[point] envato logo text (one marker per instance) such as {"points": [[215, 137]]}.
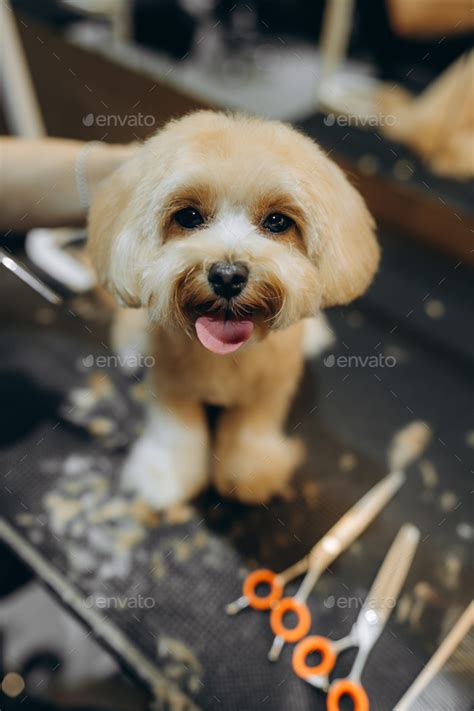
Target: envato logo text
{"points": [[352, 120], [353, 361], [112, 120], [352, 601], [132, 361], [120, 602]]}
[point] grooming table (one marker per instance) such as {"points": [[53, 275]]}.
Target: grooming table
{"points": [[165, 580]]}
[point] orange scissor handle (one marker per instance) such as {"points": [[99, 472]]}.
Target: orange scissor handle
{"points": [[346, 687], [306, 647], [259, 577], [290, 634]]}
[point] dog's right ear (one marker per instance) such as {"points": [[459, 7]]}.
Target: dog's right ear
{"points": [[114, 233], [123, 232]]}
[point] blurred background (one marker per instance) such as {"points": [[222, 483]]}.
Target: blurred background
{"points": [[386, 88]]}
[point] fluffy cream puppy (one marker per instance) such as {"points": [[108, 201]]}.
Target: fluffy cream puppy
{"points": [[231, 232]]}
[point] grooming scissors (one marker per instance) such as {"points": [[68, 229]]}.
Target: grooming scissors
{"points": [[326, 550], [366, 630]]}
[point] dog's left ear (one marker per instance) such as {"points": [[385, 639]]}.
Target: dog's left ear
{"points": [[345, 248]]}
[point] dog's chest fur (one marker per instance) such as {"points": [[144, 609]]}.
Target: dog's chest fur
{"points": [[184, 367]]}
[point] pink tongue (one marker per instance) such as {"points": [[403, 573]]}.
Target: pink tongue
{"points": [[220, 336]]}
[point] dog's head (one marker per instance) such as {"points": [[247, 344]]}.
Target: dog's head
{"points": [[229, 226]]}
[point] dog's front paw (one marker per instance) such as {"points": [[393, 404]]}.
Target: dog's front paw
{"points": [[258, 467], [158, 475]]}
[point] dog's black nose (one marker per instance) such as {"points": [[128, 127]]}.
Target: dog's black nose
{"points": [[228, 279]]}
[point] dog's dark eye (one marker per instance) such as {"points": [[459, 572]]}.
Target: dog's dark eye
{"points": [[276, 222], [189, 218]]}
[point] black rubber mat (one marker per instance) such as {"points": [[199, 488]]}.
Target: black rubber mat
{"points": [[192, 563]]}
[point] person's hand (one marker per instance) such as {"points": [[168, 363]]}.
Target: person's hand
{"points": [[39, 180]]}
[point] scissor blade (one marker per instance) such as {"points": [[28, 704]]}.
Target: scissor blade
{"points": [[383, 594], [356, 520], [448, 647], [347, 530], [28, 278]]}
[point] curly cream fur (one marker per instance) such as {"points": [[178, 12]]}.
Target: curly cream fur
{"points": [[235, 170]]}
